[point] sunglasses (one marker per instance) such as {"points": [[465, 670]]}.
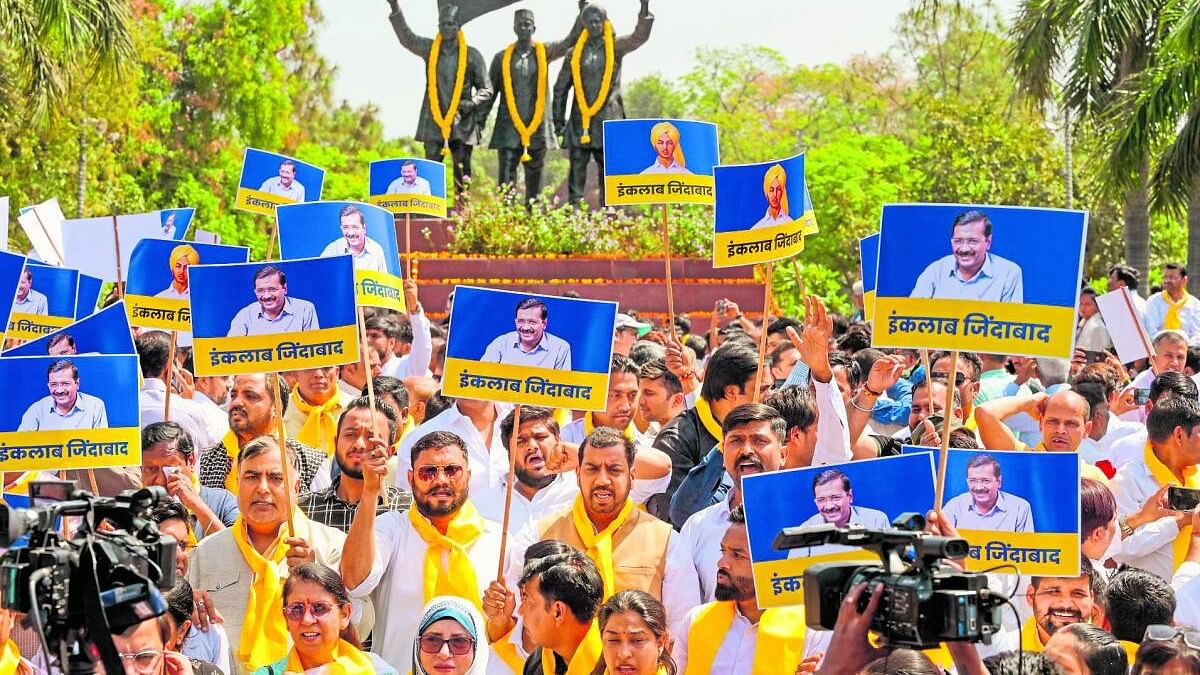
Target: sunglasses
{"points": [[1160, 632], [959, 378], [296, 610], [459, 646], [430, 471]]}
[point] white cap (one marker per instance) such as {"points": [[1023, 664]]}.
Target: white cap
{"points": [[626, 321]]}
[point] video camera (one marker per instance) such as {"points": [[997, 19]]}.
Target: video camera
{"points": [[924, 603], [103, 579]]}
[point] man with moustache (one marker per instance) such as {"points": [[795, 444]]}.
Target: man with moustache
{"points": [[273, 311], [660, 397], [971, 272], [530, 344], [366, 253], [984, 506], [1057, 602], [1064, 419], [316, 403], [834, 497], [619, 407]]}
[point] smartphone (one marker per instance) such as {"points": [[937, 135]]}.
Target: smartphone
{"points": [[1182, 499], [1141, 396], [1090, 356]]}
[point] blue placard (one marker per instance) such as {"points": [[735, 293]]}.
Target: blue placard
{"points": [[105, 332], [270, 179], [868, 255], [659, 161], [176, 222], [159, 289], [763, 212], [88, 295], [11, 268], [45, 302], [408, 185]]}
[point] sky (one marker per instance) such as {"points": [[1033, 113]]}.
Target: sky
{"points": [[372, 67]]}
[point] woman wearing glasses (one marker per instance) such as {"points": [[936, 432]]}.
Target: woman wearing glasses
{"points": [[448, 639]]}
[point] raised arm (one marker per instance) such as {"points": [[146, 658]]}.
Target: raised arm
{"points": [[641, 32], [408, 39], [559, 48], [991, 415]]}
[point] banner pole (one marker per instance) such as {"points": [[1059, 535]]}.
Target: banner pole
{"points": [[947, 420], [46, 232], [799, 281], [287, 467], [271, 241], [170, 376], [670, 286], [762, 337], [925, 363], [366, 363], [408, 244], [508, 490], [120, 287]]}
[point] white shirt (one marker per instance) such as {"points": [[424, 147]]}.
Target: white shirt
{"points": [[488, 466], [1187, 594], [370, 258], [1189, 315], [550, 500], [859, 515], [206, 431], [170, 293], [1093, 334], [657, 167], [573, 432], [833, 431], [215, 417], [1151, 545], [397, 583], [34, 303], [416, 361], [274, 186], [767, 221], [1139, 306], [88, 413], [702, 534], [1122, 442], [211, 646], [296, 316], [736, 654], [419, 186]]}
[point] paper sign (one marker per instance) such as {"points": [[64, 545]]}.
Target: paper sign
{"points": [[269, 179], [763, 212], [868, 256], [659, 161], [45, 301], [105, 332], [157, 294], [206, 237], [88, 296], [1129, 336], [43, 224], [91, 246], [408, 185]]}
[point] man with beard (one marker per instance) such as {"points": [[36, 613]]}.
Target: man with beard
{"points": [[984, 506], [252, 414], [315, 405], [1174, 308], [618, 411], [440, 547], [633, 549], [660, 398], [723, 636], [358, 430], [1060, 601], [834, 498]]}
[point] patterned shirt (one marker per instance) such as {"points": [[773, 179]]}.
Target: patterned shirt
{"points": [[214, 465], [327, 508]]}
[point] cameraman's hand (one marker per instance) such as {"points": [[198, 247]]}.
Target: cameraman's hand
{"points": [[850, 648], [205, 610]]}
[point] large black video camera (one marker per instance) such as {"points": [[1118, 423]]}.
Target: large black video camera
{"points": [[924, 603], [80, 591]]}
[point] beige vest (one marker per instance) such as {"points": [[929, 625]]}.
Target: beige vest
{"points": [[639, 549]]}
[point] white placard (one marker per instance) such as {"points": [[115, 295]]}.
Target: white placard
{"points": [[43, 224], [206, 237], [90, 246], [1124, 326]]}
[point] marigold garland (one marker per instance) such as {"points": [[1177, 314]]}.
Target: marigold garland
{"points": [[445, 123], [588, 110], [525, 131]]}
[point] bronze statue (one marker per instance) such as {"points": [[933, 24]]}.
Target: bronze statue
{"points": [[457, 95], [520, 74], [593, 71]]}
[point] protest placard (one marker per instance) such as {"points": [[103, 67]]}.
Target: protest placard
{"points": [[104, 332], [45, 301], [273, 316], [763, 212], [364, 232], [1124, 325], [87, 298], [12, 268], [42, 224], [870, 493], [996, 279], [101, 247], [74, 412], [408, 185], [176, 222], [868, 256], [270, 179], [158, 291], [558, 355], [659, 161]]}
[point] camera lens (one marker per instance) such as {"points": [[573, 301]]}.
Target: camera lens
{"points": [[955, 548]]}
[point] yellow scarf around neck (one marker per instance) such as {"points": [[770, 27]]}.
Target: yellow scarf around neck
{"points": [[704, 411], [598, 545], [587, 655], [778, 648], [230, 443], [1163, 475], [1173, 320], [588, 110], [589, 425], [525, 131], [320, 422], [10, 658], [445, 121], [458, 579], [264, 639], [347, 660], [1031, 639], [507, 651]]}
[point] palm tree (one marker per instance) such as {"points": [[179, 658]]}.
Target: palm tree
{"points": [[1097, 46], [50, 45]]}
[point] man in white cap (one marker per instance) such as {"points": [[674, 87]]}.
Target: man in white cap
{"points": [[626, 332]]}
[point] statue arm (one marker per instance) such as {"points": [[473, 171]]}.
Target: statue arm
{"points": [[641, 32], [559, 49], [408, 39], [561, 87], [484, 95]]}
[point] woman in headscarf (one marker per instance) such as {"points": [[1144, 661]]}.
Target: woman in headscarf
{"points": [[636, 641], [450, 639]]}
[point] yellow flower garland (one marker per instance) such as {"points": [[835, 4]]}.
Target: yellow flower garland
{"points": [[525, 131], [446, 122], [588, 111]]}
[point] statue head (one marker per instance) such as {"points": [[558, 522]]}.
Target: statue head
{"points": [[448, 23], [523, 24], [594, 16]]}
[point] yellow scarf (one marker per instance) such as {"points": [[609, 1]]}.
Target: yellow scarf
{"points": [[10, 658], [445, 123], [589, 426], [320, 423], [1163, 475], [588, 110], [587, 655], [507, 652], [265, 637], [704, 411], [1031, 640], [598, 545], [409, 425], [458, 579], [1172, 320], [230, 443], [778, 649], [347, 660], [525, 131]]}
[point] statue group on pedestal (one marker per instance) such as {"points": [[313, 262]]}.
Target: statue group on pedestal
{"points": [[461, 91]]}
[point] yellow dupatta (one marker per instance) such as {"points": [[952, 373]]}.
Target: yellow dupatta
{"points": [[507, 652], [589, 426], [347, 660], [598, 545], [264, 639], [1163, 475], [230, 443], [587, 655], [704, 411], [458, 579], [1031, 640], [10, 658], [779, 646], [1173, 320], [320, 422]]}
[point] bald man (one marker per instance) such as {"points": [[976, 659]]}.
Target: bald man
{"points": [[1064, 418], [181, 257]]}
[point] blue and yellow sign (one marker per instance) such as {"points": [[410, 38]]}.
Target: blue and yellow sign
{"points": [[158, 292], [45, 301], [278, 315], [70, 412], [870, 493], [105, 332], [11, 268], [176, 222], [868, 261], [659, 162], [408, 185], [365, 233], [531, 349], [763, 212], [997, 279], [269, 179]]}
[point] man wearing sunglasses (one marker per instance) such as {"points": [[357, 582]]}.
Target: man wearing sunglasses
{"points": [[966, 380], [441, 544]]}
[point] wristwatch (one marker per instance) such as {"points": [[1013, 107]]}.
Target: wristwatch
{"points": [[1126, 530]]}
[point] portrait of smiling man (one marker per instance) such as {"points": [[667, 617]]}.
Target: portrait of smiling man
{"points": [[985, 506], [530, 344], [273, 311], [971, 271]]}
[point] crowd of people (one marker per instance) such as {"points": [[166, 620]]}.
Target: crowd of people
{"points": [[618, 543]]}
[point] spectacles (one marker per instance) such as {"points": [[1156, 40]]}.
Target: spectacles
{"points": [[297, 610], [1160, 632], [430, 471], [966, 242], [459, 645], [143, 661]]}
